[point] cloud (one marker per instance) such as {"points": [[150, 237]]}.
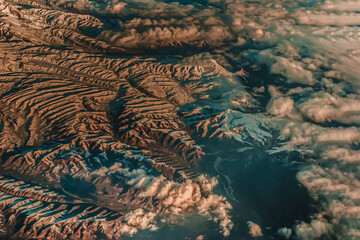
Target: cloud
{"points": [[138, 219], [254, 229], [174, 199], [315, 229], [312, 48], [325, 107]]}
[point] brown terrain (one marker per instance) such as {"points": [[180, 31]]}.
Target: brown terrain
{"points": [[86, 131]]}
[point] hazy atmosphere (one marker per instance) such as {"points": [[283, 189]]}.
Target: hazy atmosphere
{"points": [[196, 120]]}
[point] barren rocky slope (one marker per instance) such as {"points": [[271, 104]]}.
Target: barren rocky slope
{"points": [[205, 119], [95, 128]]}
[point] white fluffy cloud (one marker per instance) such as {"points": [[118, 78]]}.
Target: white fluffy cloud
{"points": [[174, 199], [314, 47]]}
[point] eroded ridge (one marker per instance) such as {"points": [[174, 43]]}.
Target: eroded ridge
{"points": [[85, 136]]}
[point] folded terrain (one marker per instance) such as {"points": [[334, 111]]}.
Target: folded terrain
{"points": [[118, 119]]}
